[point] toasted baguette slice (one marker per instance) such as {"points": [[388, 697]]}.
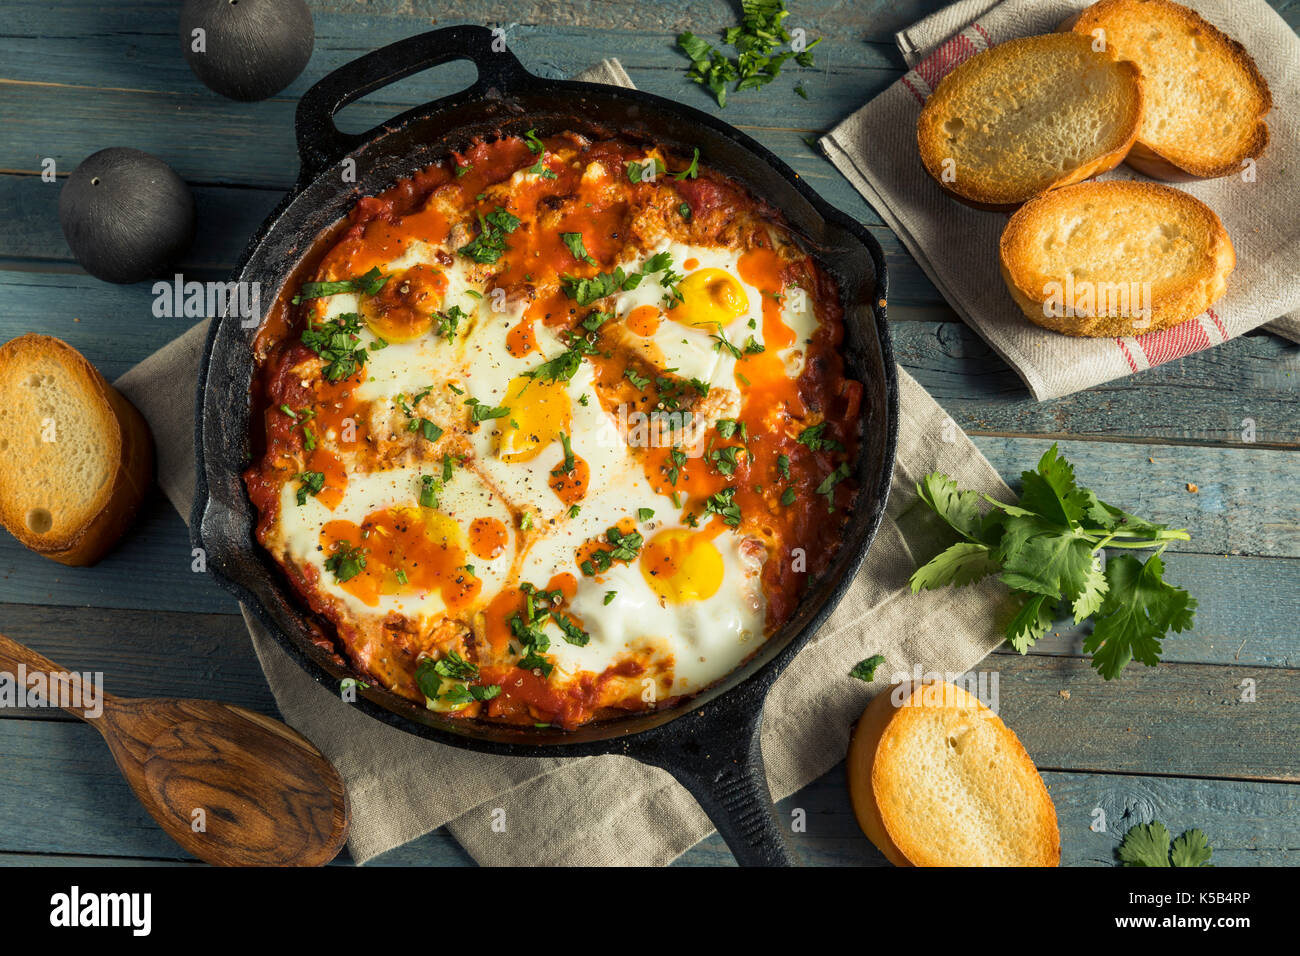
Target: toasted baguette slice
{"points": [[1027, 116], [75, 456], [1115, 258], [1205, 98], [938, 780]]}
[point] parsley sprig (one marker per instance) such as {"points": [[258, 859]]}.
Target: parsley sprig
{"points": [[490, 244], [1049, 549], [337, 342]]}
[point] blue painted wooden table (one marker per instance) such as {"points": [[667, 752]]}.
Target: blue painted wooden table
{"points": [[1176, 742]]}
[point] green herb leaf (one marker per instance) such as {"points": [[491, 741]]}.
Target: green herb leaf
{"points": [[866, 670], [368, 284]]}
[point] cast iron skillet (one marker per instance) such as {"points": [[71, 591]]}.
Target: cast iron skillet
{"points": [[710, 742]]}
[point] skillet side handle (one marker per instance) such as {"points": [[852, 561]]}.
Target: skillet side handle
{"points": [[321, 143], [721, 764]]}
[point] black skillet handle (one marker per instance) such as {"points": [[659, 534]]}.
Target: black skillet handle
{"points": [[321, 143], [715, 754]]}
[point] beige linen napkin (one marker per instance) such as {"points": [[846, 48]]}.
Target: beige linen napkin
{"points": [[612, 810], [875, 148]]}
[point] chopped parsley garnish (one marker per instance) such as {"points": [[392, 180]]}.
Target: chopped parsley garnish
{"points": [[691, 171], [684, 210], [430, 674], [757, 61], [724, 459], [752, 346], [587, 291], [827, 487], [637, 169], [572, 633], [574, 241], [644, 514], [727, 426], [678, 458], [609, 596], [312, 484], [368, 284], [540, 168], [722, 342], [640, 381], [335, 341], [566, 467], [625, 548], [346, 562], [595, 320], [574, 511], [812, 438], [723, 505], [534, 144], [430, 488], [429, 431], [491, 241], [788, 497], [564, 366], [449, 321], [783, 466], [479, 412]]}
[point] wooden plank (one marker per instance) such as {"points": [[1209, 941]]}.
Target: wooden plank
{"points": [[155, 64], [148, 570], [87, 810], [162, 654], [1207, 398], [1174, 719], [1244, 501], [1247, 824], [73, 775], [1212, 397], [1246, 619]]}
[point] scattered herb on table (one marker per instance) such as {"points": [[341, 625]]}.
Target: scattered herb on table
{"points": [[1049, 549], [1148, 844], [866, 670], [758, 58]]}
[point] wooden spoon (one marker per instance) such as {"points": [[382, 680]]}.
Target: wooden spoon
{"points": [[232, 787]]}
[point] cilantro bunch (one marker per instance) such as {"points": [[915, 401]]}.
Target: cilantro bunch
{"points": [[1049, 550]]}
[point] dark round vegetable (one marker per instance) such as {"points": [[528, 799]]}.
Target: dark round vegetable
{"points": [[251, 49], [126, 215]]}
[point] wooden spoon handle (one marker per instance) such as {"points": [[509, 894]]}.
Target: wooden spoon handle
{"points": [[59, 686]]}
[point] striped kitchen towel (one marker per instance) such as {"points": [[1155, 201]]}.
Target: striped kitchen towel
{"points": [[957, 246]]}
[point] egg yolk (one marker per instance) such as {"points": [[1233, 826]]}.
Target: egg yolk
{"points": [[403, 309], [682, 566], [539, 412], [710, 297], [409, 550]]}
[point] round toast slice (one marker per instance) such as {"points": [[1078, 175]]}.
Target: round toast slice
{"points": [[937, 779], [1028, 116], [76, 458], [1115, 258], [1205, 97]]}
